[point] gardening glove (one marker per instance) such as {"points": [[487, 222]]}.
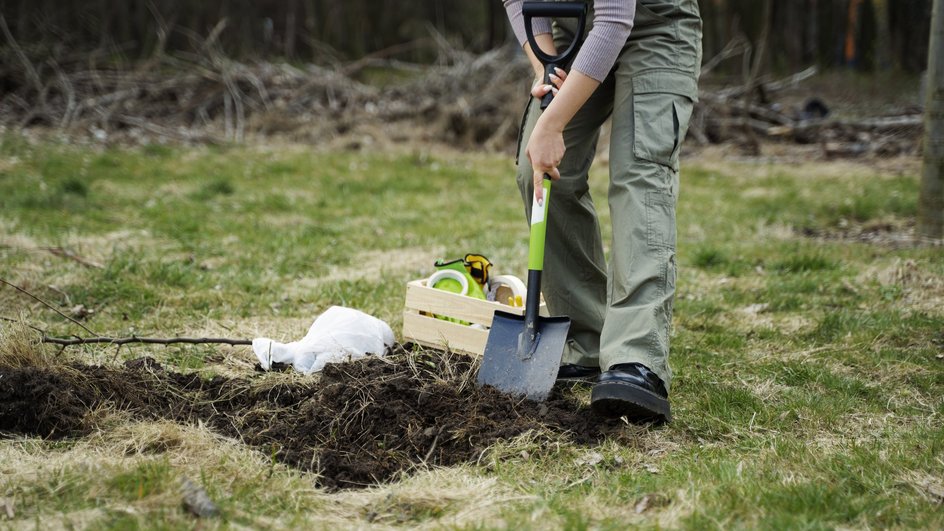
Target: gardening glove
{"points": [[478, 267]]}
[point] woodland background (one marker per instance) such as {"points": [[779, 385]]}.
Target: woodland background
{"points": [[841, 74], [865, 34]]}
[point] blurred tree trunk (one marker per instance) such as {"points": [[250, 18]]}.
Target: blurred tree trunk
{"points": [[908, 20], [812, 36], [492, 8], [931, 202], [752, 144], [883, 40], [850, 54], [291, 21]]}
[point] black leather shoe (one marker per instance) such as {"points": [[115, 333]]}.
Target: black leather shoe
{"points": [[575, 374], [633, 391]]}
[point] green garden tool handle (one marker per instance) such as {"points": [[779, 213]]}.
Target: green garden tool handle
{"points": [[539, 227], [536, 259]]}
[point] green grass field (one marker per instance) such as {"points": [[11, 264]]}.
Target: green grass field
{"points": [[808, 344]]}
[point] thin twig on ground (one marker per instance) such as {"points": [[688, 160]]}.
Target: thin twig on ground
{"points": [[66, 253], [48, 305], [149, 340], [119, 341], [24, 323]]}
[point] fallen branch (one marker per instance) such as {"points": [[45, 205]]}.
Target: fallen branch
{"points": [[183, 135], [65, 253], [353, 68], [64, 341], [737, 46], [890, 122], [768, 87], [876, 124], [71, 341], [791, 81], [61, 252]]}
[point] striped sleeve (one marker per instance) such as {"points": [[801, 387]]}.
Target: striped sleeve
{"points": [[513, 9], [612, 24]]}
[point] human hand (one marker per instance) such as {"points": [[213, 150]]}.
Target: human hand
{"points": [[557, 81], [545, 151], [546, 147]]}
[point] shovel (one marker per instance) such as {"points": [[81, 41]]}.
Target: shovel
{"points": [[523, 353]]}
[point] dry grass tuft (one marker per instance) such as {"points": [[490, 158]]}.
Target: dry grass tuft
{"points": [[89, 470], [437, 498], [921, 289], [927, 486], [129, 438], [446, 368], [21, 347]]}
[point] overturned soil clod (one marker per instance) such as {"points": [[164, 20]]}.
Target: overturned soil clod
{"points": [[358, 424]]}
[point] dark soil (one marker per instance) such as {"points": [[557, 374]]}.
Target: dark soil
{"points": [[359, 424]]}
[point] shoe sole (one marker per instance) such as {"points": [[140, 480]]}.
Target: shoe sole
{"points": [[619, 399]]}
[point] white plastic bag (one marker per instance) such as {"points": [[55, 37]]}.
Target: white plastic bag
{"points": [[339, 334]]}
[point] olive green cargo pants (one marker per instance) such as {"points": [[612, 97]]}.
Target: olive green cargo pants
{"points": [[622, 314]]}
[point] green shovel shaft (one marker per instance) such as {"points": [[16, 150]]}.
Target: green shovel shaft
{"points": [[528, 340], [539, 228]]}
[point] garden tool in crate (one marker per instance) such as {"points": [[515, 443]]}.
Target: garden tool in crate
{"points": [[466, 276]]}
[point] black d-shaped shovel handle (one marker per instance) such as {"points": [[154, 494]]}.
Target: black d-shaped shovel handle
{"points": [[576, 10]]}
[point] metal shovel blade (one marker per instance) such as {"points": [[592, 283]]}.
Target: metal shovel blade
{"points": [[514, 363]]}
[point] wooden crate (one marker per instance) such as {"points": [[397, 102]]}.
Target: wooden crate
{"points": [[419, 325]]}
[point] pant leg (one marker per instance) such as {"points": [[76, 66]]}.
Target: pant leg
{"points": [[574, 278], [654, 92]]}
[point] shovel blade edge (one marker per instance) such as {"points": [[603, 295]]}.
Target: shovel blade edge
{"points": [[511, 371]]}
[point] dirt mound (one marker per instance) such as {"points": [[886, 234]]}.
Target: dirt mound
{"points": [[42, 402], [360, 424]]}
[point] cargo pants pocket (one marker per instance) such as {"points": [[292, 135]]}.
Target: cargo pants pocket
{"points": [[660, 220], [662, 107]]}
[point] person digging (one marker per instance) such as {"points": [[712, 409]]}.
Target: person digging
{"points": [[639, 65]]}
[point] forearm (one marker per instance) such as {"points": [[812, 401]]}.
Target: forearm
{"points": [[546, 43], [542, 34], [571, 97]]}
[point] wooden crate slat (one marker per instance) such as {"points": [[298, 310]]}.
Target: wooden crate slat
{"points": [[430, 331], [439, 302], [437, 333]]}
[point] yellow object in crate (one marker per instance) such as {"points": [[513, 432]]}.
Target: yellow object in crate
{"points": [[457, 276]]}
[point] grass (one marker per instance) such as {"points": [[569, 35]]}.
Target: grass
{"points": [[808, 390]]}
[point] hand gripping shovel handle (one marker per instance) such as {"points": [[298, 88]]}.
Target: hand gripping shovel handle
{"points": [[576, 10], [536, 259]]}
